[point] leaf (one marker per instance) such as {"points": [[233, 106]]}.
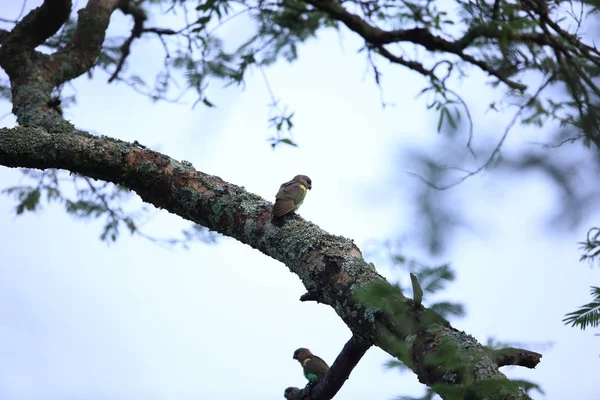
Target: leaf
{"points": [[528, 385], [588, 314], [288, 141], [451, 120], [433, 279], [417, 291], [29, 202], [440, 121], [397, 364], [447, 309]]}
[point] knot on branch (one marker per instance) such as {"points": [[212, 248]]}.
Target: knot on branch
{"points": [[514, 356], [310, 296]]}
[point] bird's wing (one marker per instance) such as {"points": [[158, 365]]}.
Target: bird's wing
{"points": [[291, 191], [316, 366], [282, 207], [290, 195]]}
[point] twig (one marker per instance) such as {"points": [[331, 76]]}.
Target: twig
{"points": [[496, 150], [139, 17]]}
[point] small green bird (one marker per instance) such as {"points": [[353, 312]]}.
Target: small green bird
{"points": [[314, 367], [290, 196]]}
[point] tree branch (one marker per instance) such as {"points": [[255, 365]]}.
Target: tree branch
{"points": [[421, 36], [493, 32], [514, 356], [415, 66], [80, 54], [34, 75], [41, 23], [139, 17], [337, 375], [3, 35], [330, 265], [33, 30]]}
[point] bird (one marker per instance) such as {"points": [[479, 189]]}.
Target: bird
{"points": [[290, 196], [313, 366]]}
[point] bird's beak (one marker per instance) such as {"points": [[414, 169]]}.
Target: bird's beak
{"points": [[309, 187]]}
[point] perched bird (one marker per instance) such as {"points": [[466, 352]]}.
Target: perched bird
{"points": [[290, 196], [314, 367]]}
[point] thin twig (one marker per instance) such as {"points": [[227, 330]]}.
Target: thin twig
{"points": [[498, 147]]}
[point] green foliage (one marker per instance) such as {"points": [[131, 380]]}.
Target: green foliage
{"points": [[528, 386], [384, 297], [29, 197], [491, 390], [591, 247], [429, 395], [203, 56], [417, 290], [514, 42], [425, 281], [588, 315], [281, 121], [431, 279], [89, 200]]}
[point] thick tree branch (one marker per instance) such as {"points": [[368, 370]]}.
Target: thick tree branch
{"points": [[33, 30], [331, 266], [337, 375], [34, 75], [514, 356]]}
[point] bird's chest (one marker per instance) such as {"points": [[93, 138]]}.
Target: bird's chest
{"points": [[300, 198]]}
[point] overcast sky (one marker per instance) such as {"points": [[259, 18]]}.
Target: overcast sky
{"points": [[135, 321]]}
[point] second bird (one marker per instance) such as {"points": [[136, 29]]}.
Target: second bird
{"points": [[314, 367], [291, 195]]}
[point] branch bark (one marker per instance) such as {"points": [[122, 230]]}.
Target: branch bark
{"points": [[330, 267], [3, 35], [34, 75], [80, 54], [32, 31]]}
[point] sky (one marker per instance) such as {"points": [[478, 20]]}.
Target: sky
{"points": [[80, 319]]}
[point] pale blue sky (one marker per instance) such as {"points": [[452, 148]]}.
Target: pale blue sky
{"points": [[133, 321]]}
